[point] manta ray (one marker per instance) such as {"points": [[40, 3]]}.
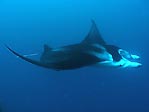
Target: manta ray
{"points": [[91, 51]]}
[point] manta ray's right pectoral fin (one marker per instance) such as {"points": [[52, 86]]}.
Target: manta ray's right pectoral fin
{"points": [[27, 59], [94, 36]]}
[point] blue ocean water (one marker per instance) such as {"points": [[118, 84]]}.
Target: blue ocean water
{"points": [[26, 25]]}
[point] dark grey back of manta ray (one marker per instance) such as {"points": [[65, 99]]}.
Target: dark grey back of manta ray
{"points": [[77, 55], [93, 37], [71, 56]]}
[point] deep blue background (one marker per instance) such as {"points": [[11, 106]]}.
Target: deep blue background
{"points": [[27, 24]]}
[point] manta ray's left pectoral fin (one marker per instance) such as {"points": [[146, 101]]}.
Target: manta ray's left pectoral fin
{"points": [[27, 59]]}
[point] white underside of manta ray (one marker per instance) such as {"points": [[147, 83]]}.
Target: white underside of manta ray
{"points": [[93, 50]]}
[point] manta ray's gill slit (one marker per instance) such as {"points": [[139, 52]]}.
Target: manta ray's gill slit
{"points": [[104, 56]]}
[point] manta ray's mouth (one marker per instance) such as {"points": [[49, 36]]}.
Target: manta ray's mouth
{"points": [[129, 60], [130, 63]]}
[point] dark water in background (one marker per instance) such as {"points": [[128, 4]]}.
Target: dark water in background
{"points": [[27, 24]]}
